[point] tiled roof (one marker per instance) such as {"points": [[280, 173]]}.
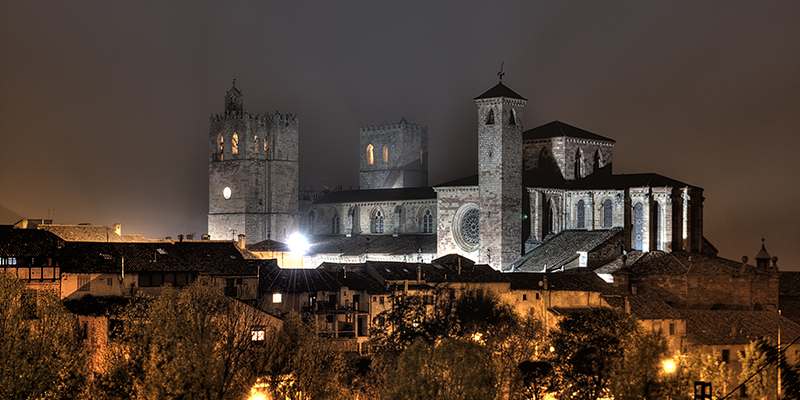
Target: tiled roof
{"points": [[90, 233], [730, 327], [298, 280], [559, 129], [268, 245], [212, 258], [651, 307], [572, 280], [380, 244], [500, 90], [562, 249], [377, 195], [678, 263], [624, 181], [28, 243]]}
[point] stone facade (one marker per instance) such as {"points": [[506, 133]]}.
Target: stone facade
{"points": [[393, 156], [449, 200], [253, 174]]}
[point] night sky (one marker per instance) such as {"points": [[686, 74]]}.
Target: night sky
{"points": [[104, 106]]}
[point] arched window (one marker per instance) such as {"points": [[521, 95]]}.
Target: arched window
{"points": [[335, 224], [255, 144], [657, 225], [377, 225], [266, 143], [370, 156], [608, 214], [578, 164], [581, 214], [220, 146], [490, 117], [512, 117], [235, 144], [385, 154], [427, 222], [638, 226], [598, 161]]}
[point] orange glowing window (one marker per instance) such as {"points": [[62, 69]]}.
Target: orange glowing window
{"points": [[255, 144], [370, 156], [235, 144], [385, 154]]}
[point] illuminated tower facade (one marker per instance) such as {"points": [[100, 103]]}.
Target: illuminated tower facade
{"points": [[500, 175], [253, 173]]}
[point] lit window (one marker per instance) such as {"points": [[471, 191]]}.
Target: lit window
{"points": [[277, 298], [258, 335], [83, 282], [370, 156], [385, 154], [220, 146], [235, 144], [255, 144]]}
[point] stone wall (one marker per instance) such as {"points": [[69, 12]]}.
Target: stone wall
{"points": [[406, 161]]}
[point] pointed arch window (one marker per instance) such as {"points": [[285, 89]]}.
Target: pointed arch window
{"points": [[266, 143], [657, 225], [427, 222], [581, 212], [235, 144], [377, 223], [385, 154], [490, 117], [220, 146], [598, 161], [638, 226], [255, 144], [512, 117], [335, 223], [608, 214], [370, 155], [578, 164]]}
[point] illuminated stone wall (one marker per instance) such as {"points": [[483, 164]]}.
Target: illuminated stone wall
{"points": [[406, 156]]}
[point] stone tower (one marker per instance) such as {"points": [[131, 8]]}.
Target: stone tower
{"points": [[500, 175], [253, 173], [393, 156]]}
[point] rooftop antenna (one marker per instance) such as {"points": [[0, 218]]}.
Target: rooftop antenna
{"points": [[501, 73]]}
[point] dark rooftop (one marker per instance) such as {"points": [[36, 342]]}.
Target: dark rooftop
{"points": [[559, 129], [729, 327], [500, 90], [382, 244], [572, 280], [658, 262], [373, 195], [562, 249]]}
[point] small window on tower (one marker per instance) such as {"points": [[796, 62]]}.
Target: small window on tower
{"points": [[266, 143], [512, 118], [235, 144], [220, 146], [385, 154], [255, 144], [490, 118], [370, 156]]}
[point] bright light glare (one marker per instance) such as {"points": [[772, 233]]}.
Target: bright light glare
{"points": [[669, 366], [298, 244]]}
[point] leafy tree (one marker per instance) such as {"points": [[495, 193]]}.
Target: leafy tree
{"points": [[763, 378], [639, 375], [709, 367], [301, 366], [41, 353], [452, 369], [538, 378], [589, 347], [190, 343]]}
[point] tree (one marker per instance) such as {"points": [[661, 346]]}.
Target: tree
{"points": [[589, 347], [452, 369], [41, 353], [762, 378], [190, 343], [709, 367], [639, 375]]}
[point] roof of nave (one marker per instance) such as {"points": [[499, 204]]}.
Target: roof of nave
{"points": [[90, 233], [500, 90], [577, 280], [644, 306], [382, 244], [721, 327], [658, 262], [377, 195], [624, 181], [560, 129], [212, 258], [28, 242], [562, 249]]}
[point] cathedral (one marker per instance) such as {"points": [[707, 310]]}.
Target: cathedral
{"points": [[543, 199]]}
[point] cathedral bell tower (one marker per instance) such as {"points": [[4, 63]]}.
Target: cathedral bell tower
{"points": [[253, 174], [500, 175]]}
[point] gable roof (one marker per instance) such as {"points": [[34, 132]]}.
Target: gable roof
{"points": [[657, 262], [573, 280], [562, 249], [730, 327], [28, 243], [90, 233], [500, 90], [560, 129]]}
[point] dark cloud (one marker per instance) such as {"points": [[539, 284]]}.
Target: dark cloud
{"points": [[104, 106]]}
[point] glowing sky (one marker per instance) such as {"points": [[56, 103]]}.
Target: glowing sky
{"points": [[104, 106]]}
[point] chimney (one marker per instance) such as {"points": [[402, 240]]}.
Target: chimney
{"points": [[205, 236], [241, 241], [118, 229]]}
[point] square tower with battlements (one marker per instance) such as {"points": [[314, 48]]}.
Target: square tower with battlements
{"points": [[393, 156]]}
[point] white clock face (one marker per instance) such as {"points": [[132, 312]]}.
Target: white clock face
{"points": [[226, 193]]}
